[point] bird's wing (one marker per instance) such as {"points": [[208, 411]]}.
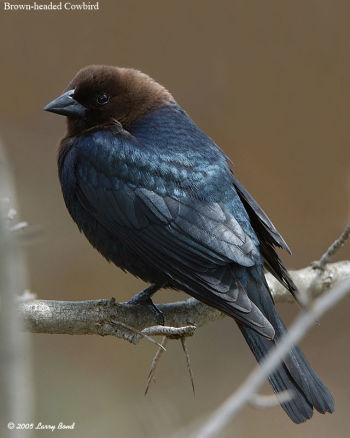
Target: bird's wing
{"points": [[260, 218], [193, 242], [268, 236]]}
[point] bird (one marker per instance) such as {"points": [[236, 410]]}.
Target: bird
{"points": [[158, 198]]}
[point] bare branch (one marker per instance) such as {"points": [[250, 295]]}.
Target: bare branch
{"points": [[97, 316], [229, 409]]}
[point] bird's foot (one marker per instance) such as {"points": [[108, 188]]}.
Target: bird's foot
{"points": [[143, 298]]}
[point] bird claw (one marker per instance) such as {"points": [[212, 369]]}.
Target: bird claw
{"points": [[143, 298], [158, 314]]}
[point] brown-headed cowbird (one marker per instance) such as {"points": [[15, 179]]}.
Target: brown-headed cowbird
{"points": [[156, 196]]}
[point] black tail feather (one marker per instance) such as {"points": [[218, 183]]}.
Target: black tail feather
{"points": [[295, 372]]}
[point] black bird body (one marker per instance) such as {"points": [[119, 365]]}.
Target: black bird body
{"points": [[156, 196]]}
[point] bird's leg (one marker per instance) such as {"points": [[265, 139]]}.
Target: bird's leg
{"points": [[144, 298]]}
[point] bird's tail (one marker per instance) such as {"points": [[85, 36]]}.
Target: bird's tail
{"points": [[295, 373]]}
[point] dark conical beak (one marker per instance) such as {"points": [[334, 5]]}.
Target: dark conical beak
{"points": [[66, 105]]}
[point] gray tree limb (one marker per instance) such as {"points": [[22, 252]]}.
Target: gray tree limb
{"points": [[107, 317], [16, 390]]}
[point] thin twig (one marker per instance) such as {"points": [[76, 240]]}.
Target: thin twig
{"points": [[319, 266], [19, 226], [26, 297], [338, 243], [170, 332], [155, 362], [188, 362], [230, 408], [137, 332], [267, 401]]}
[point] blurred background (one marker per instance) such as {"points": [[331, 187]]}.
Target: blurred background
{"points": [[269, 82]]}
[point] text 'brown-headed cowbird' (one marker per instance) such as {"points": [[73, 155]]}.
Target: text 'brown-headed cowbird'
{"points": [[156, 196]]}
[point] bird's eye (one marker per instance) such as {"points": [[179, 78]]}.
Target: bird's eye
{"points": [[102, 98]]}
